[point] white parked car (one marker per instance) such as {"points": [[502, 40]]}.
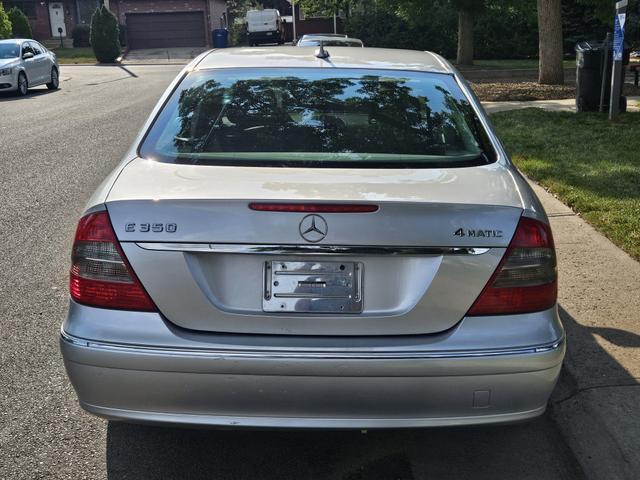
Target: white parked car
{"points": [[329, 41], [26, 63], [314, 239]]}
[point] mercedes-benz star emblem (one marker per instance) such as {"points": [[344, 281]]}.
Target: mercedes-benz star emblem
{"points": [[313, 228]]}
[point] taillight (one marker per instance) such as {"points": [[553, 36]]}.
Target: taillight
{"points": [[526, 279], [100, 273]]}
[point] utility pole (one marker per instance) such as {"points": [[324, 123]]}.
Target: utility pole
{"points": [[617, 75], [293, 17]]}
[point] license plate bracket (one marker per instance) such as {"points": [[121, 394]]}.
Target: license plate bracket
{"points": [[312, 287]]}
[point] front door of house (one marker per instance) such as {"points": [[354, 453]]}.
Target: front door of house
{"points": [[56, 18]]}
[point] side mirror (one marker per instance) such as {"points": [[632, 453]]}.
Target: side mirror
{"points": [[27, 55]]}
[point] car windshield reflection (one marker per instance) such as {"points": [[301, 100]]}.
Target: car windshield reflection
{"points": [[9, 51]]}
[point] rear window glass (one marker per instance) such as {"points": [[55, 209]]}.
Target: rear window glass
{"points": [[318, 117]]}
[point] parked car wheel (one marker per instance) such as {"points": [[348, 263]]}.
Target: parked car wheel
{"points": [[54, 84], [23, 85]]}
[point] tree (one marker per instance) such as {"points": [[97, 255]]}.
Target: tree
{"points": [[327, 7], [20, 23], [467, 10], [551, 71], [5, 24], [105, 36], [236, 17]]}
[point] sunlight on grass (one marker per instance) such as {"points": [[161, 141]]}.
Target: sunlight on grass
{"points": [[75, 55], [593, 165]]}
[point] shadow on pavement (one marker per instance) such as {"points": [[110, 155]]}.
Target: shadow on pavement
{"points": [[528, 451], [33, 93], [587, 362], [595, 403]]}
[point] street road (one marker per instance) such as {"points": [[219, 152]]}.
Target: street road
{"points": [[56, 147]]}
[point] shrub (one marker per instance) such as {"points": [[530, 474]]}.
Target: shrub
{"points": [[80, 35], [5, 24], [104, 35], [19, 23]]}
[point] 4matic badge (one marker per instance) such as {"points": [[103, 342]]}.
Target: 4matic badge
{"points": [[471, 232]]}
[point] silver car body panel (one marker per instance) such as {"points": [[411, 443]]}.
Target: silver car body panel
{"points": [[485, 370], [213, 356], [402, 294]]}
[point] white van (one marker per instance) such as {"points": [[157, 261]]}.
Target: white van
{"points": [[265, 26]]}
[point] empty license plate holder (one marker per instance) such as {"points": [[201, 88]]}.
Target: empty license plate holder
{"points": [[312, 287]]}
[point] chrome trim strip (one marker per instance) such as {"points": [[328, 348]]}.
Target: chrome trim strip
{"points": [[319, 355], [361, 423], [308, 249]]}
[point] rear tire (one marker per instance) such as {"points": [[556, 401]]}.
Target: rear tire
{"points": [[54, 84], [23, 85]]}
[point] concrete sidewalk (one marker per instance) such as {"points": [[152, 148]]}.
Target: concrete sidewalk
{"points": [[566, 105], [160, 56], [597, 401]]}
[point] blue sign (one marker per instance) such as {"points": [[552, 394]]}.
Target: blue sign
{"points": [[618, 37]]}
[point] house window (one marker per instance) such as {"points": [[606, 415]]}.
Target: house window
{"points": [[85, 9], [28, 8]]}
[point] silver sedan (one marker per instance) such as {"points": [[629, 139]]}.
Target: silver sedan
{"points": [[26, 63], [306, 240]]}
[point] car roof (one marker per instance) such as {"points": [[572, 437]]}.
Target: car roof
{"points": [[340, 57], [18, 40]]}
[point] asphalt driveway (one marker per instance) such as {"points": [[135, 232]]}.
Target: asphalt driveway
{"points": [[57, 147]]}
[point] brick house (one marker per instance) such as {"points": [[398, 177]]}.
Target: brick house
{"points": [[169, 23], [149, 23], [46, 17], [153, 23]]}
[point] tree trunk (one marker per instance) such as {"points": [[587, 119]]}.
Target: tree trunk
{"points": [[465, 37], [550, 42]]}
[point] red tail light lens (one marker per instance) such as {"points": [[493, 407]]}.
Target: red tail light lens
{"points": [[526, 279], [100, 273]]}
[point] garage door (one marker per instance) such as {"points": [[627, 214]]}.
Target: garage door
{"points": [[161, 30]]}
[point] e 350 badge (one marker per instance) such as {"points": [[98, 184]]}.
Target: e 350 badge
{"points": [[151, 227]]}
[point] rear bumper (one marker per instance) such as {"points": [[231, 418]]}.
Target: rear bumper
{"points": [[293, 388], [265, 37]]}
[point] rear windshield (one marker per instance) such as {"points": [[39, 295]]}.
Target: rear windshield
{"points": [[319, 117]]}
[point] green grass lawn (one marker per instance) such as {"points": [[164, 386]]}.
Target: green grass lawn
{"points": [[75, 55], [528, 63], [591, 164]]}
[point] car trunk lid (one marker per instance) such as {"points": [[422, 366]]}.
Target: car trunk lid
{"points": [[416, 263]]}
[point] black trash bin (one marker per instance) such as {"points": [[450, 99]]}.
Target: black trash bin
{"points": [[590, 73], [589, 61]]}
